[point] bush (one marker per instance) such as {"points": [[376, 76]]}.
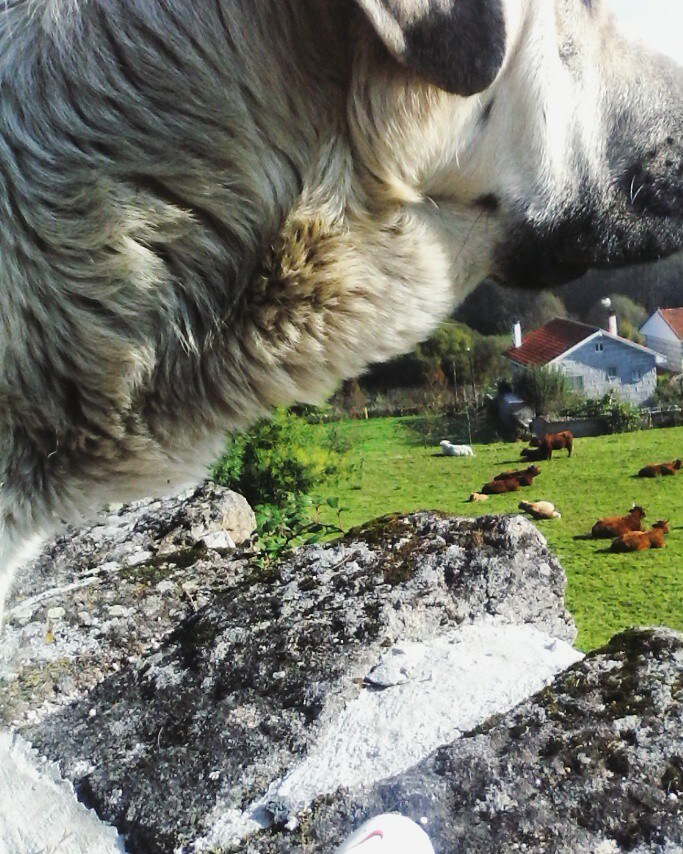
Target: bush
{"points": [[281, 528], [275, 465], [621, 416], [277, 459], [669, 392], [544, 389]]}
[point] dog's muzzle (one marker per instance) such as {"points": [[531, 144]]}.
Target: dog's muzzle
{"points": [[641, 222]]}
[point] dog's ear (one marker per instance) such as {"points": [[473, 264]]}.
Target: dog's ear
{"points": [[459, 45]]}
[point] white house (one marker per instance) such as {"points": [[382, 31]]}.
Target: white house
{"points": [[595, 361], [663, 333]]}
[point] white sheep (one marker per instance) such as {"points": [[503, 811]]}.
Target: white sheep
{"points": [[450, 450]]}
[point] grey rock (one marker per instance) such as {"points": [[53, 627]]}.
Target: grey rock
{"points": [[594, 763], [233, 514], [180, 692], [238, 693], [176, 693], [97, 597], [219, 541]]}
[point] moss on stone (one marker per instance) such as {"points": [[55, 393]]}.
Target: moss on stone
{"points": [[400, 547], [159, 568], [380, 532], [399, 566], [30, 683]]}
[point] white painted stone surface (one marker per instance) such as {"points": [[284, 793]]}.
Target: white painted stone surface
{"points": [[39, 811], [432, 693]]}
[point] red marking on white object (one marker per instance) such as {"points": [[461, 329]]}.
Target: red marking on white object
{"points": [[375, 834]]}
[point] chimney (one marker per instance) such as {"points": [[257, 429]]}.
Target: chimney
{"points": [[612, 325], [517, 335]]}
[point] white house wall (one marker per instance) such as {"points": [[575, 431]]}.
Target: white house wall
{"points": [[636, 374], [658, 328], [661, 338]]}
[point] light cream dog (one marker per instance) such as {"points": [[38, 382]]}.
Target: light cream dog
{"points": [[211, 208]]}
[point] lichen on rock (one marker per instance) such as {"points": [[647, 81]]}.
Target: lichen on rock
{"points": [[199, 704], [591, 763]]}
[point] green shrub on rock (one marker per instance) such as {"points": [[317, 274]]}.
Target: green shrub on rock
{"points": [[276, 458]]}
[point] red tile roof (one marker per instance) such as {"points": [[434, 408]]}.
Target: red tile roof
{"points": [[549, 341], [674, 317]]}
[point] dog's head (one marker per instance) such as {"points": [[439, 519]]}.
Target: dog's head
{"points": [[532, 125]]}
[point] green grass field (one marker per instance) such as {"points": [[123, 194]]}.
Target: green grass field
{"points": [[606, 592]]}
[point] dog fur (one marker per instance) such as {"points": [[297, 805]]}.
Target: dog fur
{"points": [[210, 209]]}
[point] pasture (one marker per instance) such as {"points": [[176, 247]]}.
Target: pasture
{"points": [[606, 592]]}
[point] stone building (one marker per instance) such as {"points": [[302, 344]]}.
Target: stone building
{"points": [[595, 361]]}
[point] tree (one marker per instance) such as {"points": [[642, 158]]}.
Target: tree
{"points": [[543, 389], [630, 316], [658, 285], [492, 309], [446, 350], [544, 307], [454, 351]]}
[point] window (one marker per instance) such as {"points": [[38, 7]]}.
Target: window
{"points": [[612, 373], [575, 383], [599, 347], [637, 375]]}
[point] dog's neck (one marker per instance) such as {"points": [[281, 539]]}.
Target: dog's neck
{"points": [[355, 276]]}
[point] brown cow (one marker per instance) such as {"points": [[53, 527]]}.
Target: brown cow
{"points": [[640, 541], [656, 469], [533, 454], [498, 487], [615, 526], [532, 471], [511, 481], [554, 442]]}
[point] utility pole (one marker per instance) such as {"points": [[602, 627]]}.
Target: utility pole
{"points": [[474, 388], [455, 386]]}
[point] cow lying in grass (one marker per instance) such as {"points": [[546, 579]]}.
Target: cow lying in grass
{"points": [[640, 541], [616, 526], [510, 481], [540, 509], [524, 476], [664, 469], [499, 487], [533, 454]]}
